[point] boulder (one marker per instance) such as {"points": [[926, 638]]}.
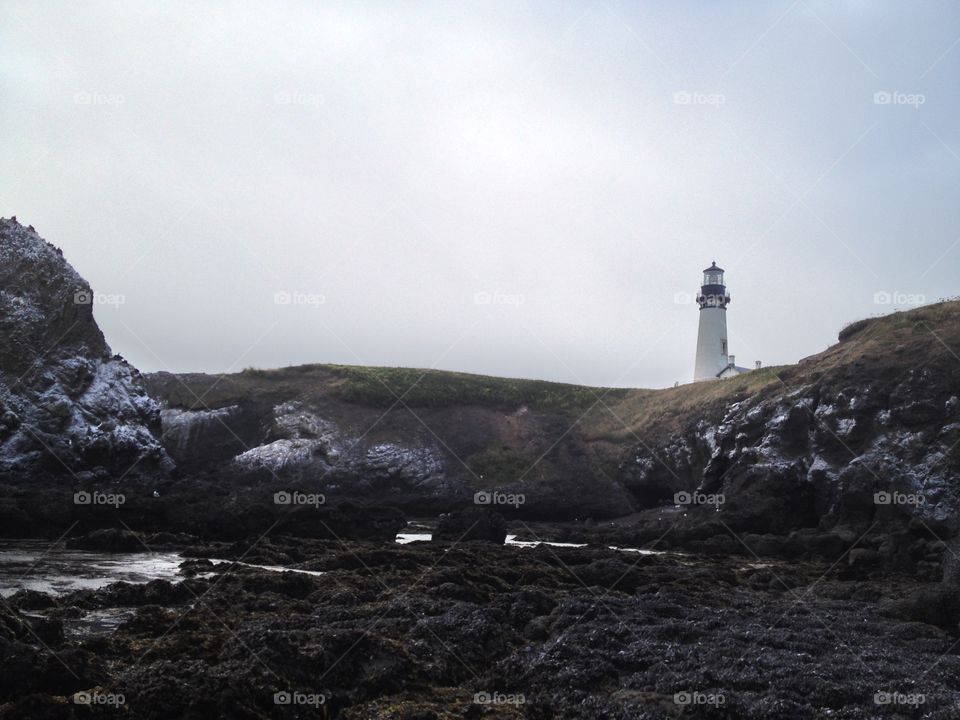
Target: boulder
{"points": [[108, 540]]}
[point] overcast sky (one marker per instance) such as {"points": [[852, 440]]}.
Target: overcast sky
{"points": [[522, 189]]}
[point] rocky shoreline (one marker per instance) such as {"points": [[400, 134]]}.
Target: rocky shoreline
{"points": [[474, 629]]}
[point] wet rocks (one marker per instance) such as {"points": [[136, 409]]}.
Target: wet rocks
{"points": [[117, 540], [344, 520], [484, 630], [472, 524], [31, 600], [30, 670], [124, 594], [937, 605]]}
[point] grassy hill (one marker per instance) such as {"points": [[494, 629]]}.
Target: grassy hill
{"points": [[616, 414], [572, 444]]}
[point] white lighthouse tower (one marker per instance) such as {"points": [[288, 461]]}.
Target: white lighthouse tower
{"points": [[712, 351]]}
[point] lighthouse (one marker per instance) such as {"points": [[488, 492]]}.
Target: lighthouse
{"points": [[713, 356], [714, 361]]}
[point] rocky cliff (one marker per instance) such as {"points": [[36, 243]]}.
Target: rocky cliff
{"points": [[68, 407], [426, 442], [856, 446], [877, 413], [860, 439]]}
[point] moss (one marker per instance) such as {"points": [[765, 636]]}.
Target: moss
{"points": [[848, 331], [500, 465], [382, 387]]}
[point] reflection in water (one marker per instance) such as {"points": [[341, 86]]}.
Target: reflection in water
{"points": [[637, 550], [407, 538], [96, 622], [512, 540]]}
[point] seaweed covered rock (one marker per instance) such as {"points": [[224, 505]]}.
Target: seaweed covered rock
{"points": [[472, 524]]}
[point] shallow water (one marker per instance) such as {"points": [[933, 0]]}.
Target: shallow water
{"points": [[96, 622], [271, 568], [512, 540], [54, 569], [641, 551], [409, 537], [406, 538]]}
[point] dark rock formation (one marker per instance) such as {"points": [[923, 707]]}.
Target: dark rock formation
{"points": [[306, 426], [108, 540], [471, 524], [855, 445], [68, 408]]}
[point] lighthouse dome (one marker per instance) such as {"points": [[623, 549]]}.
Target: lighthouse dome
{"points": [[712, 277]]}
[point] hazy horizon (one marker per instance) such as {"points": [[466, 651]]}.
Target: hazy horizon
{"points": [[497, 188]]}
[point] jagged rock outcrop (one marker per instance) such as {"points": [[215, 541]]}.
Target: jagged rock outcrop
{"points": [[845, 455], [857, 445], [301, 442], [68, 407], [195, 437]]}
